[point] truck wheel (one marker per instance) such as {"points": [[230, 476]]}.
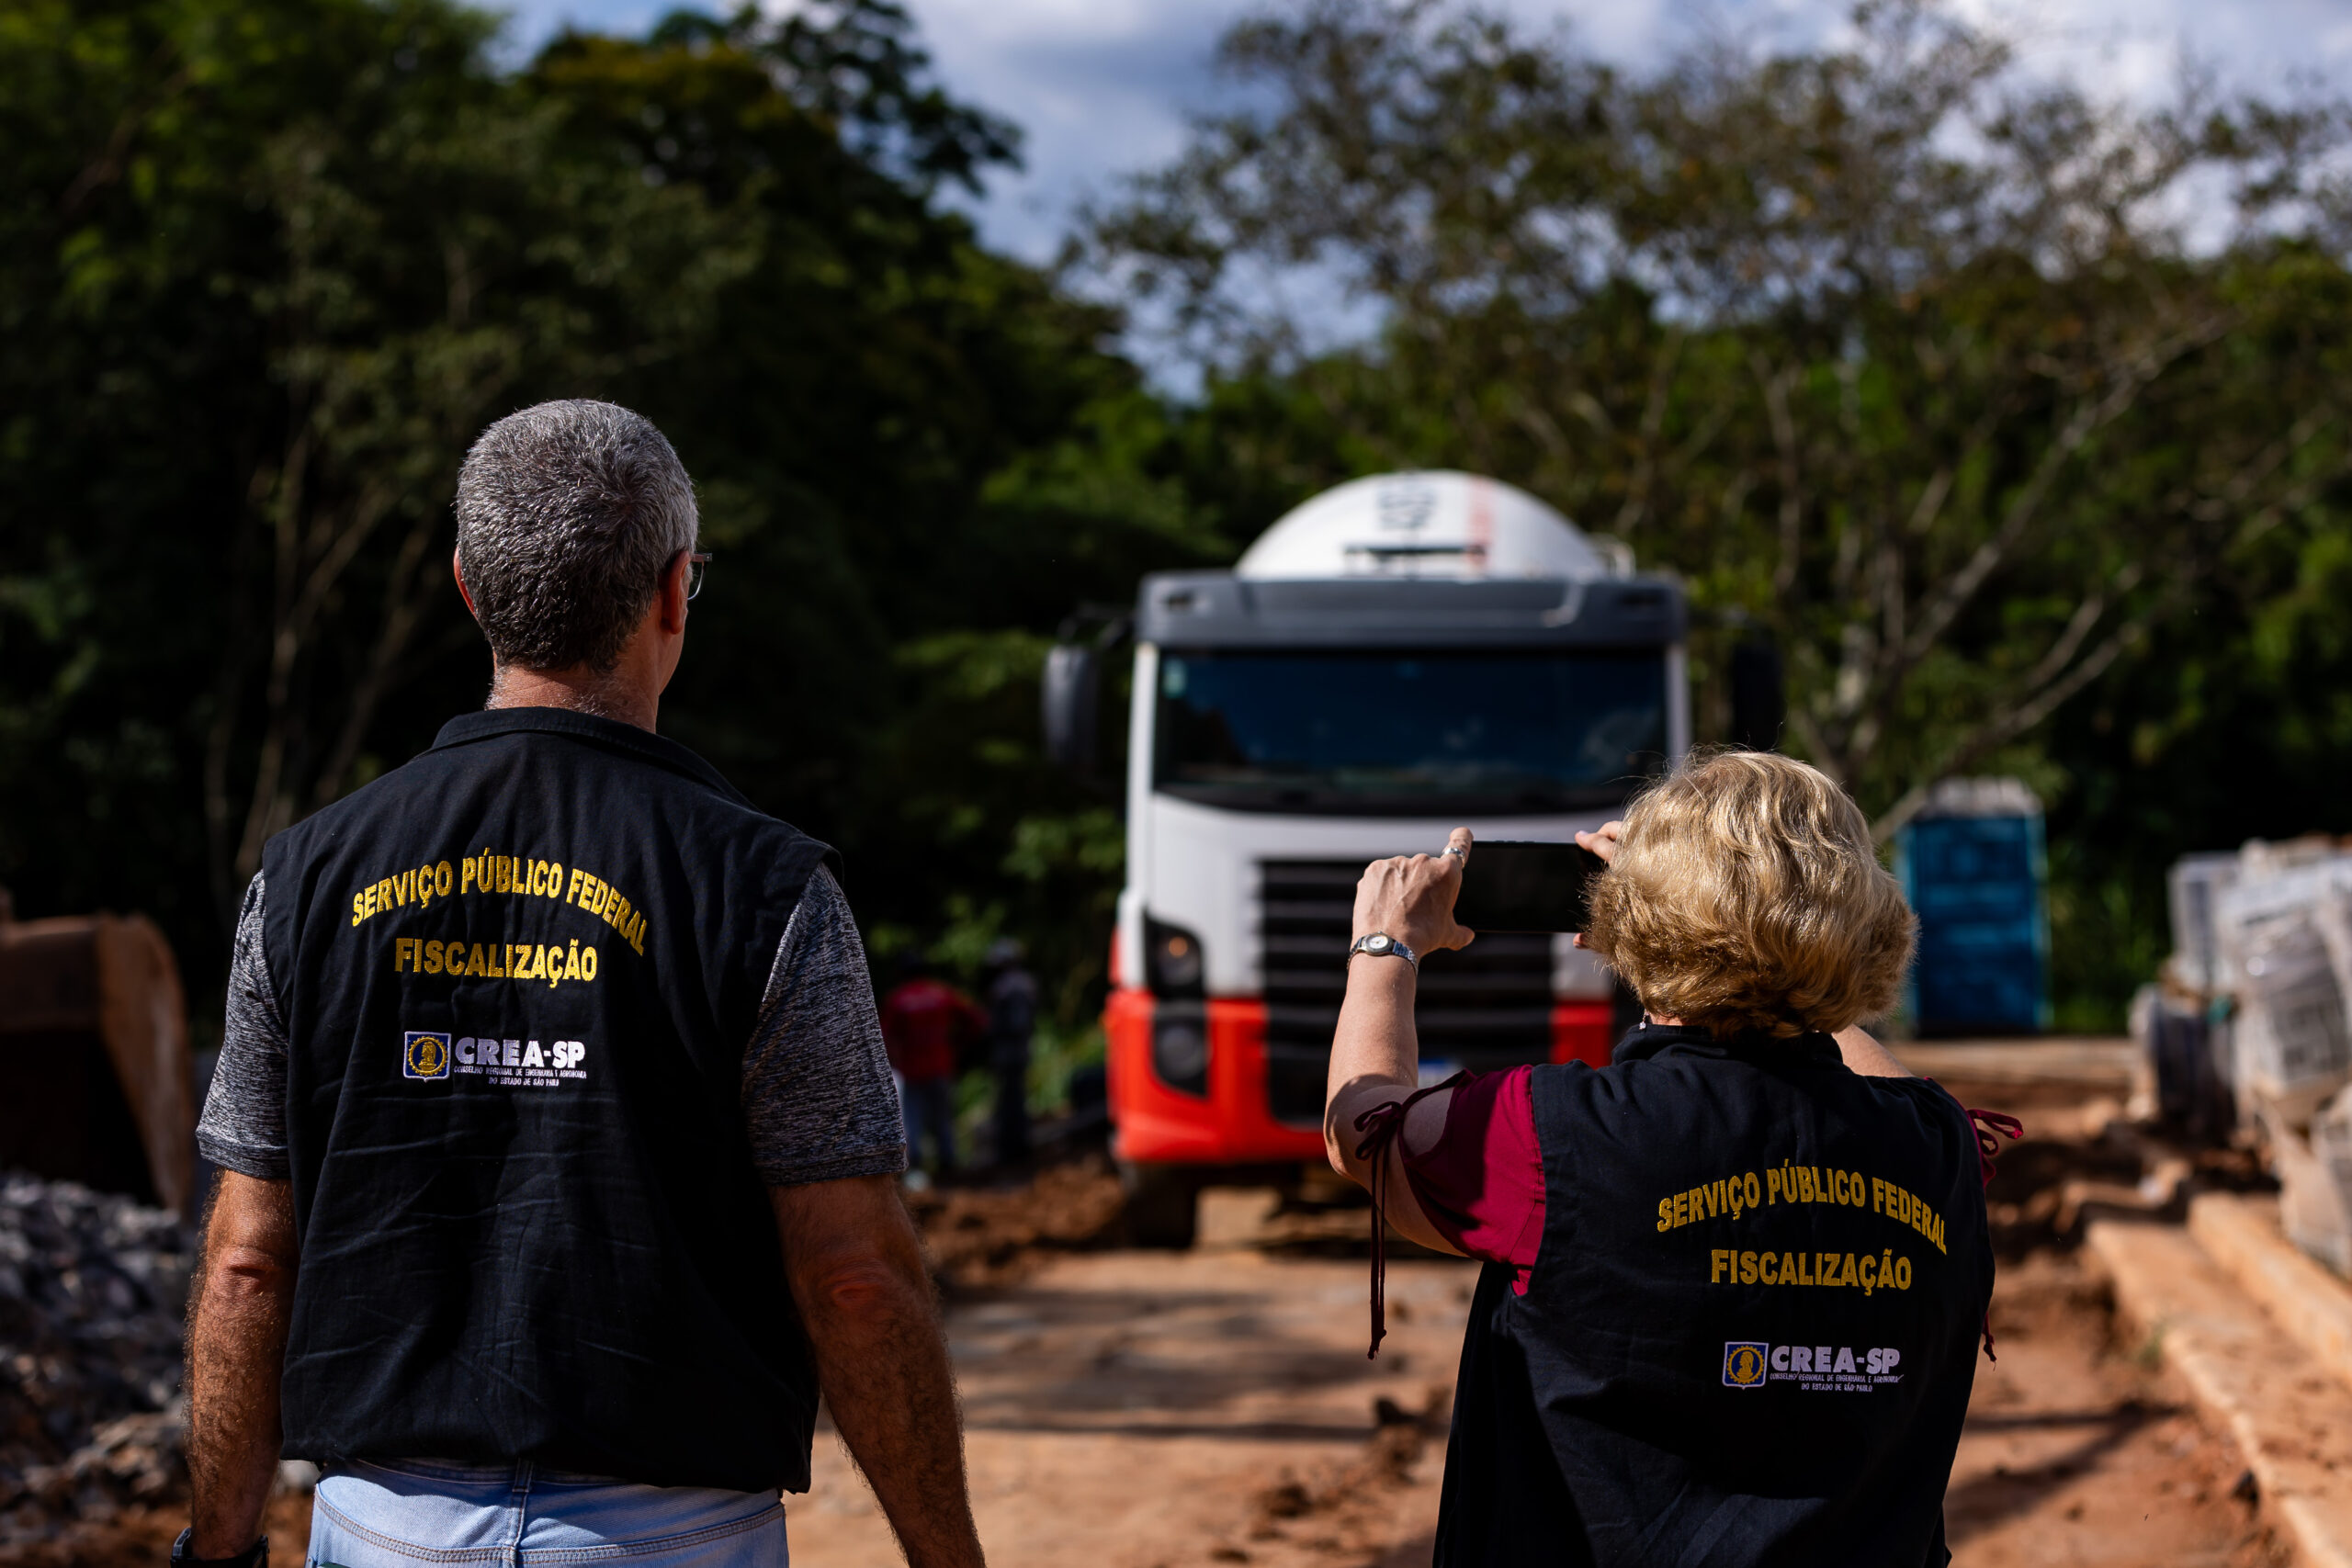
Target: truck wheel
{"points": [[1163, 1205]]}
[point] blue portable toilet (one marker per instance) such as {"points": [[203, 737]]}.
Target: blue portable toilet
{"points": [[1973, 865]]}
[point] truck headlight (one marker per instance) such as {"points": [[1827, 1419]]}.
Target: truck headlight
{"points": [[1180, 1046], [1173, 956]]}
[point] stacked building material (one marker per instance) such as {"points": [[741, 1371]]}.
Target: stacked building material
{"points": [[91, 1291], [2250, 1026], [2281, 953]]}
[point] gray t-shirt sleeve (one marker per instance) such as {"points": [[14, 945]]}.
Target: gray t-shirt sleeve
{"points": [[243, 1125], [817, 1100]]}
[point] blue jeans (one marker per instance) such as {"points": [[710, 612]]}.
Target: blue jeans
{"points": [[930, 1106], [406, 1513], [1011, 1063]]}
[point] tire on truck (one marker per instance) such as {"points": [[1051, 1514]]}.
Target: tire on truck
{"points": [[1163, 1204]]}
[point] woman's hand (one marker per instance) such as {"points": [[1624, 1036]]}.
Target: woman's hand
{"points": [[1411, 898], [1603, 841], [1376, 1054]]}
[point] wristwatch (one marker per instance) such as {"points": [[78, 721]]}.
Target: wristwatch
{"points": [[184, 1556], [1380, 945]]}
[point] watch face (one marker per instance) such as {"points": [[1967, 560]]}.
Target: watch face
{"points": [[1378, 944]]}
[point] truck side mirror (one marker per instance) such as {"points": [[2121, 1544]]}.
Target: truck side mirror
{"points": [[1760, 703], [1069, 695]]}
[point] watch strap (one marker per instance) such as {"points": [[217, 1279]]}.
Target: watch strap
{"points": [[184, 1553], [1380, 945]]}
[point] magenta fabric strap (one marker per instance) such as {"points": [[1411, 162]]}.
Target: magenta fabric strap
{"points": [[1381, 1126], [1988, 1149]]}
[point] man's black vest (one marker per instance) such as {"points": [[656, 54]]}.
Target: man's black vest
{"points": [[518, 975], [1750, 1333]]}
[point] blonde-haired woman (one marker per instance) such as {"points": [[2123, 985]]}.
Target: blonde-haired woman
{"points": [[1735, 1279]]}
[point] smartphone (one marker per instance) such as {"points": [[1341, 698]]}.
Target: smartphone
{"points": [[1516, 886]]}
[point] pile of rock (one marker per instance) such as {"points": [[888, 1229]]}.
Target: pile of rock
{"points": [[91, 1291]]}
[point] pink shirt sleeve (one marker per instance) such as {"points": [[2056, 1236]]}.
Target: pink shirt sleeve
{"points": [[1481, 1184]]}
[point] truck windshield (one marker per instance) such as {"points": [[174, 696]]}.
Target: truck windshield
{"points": [[1409, 731]]}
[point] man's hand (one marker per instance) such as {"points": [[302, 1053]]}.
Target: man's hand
{"points": [[857, 1275], [1411, 898], [236, 1350]]}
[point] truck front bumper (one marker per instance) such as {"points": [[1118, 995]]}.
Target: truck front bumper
{"points": [[1231, 1124]]}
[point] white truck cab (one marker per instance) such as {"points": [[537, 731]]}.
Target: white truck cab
{"points": [[1399, 656]]}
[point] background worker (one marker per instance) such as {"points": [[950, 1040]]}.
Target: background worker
{"points": [[927, 1025], [558, 1141], [1012, 993], [1734, 1280]]}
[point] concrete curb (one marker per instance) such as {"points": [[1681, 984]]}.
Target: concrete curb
{"points": [[2089, 1064], [2242, 1235], [2289, 1417]]}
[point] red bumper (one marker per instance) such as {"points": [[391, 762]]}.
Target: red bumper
{"points": [[1232, 1124], [1583, 1032]]}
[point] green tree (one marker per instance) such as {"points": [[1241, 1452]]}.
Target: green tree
{"points": [[1992, 404], [914, 459], [1889, 348], [269, 268], [248, 314]]}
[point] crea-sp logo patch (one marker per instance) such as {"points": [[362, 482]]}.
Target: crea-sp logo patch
{"points": [[424, 1055], [1816, 1369]]}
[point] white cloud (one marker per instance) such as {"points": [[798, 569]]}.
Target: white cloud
{"points": [[1100, 88], [532, 22], [1104, 87]]}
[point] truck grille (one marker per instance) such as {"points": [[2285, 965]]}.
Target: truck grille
{"points": [[1488, 1006]]}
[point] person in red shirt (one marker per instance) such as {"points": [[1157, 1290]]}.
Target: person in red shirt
{"points": [[926, 1023]]}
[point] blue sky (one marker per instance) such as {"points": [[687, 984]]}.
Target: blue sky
{"points": [[1102, 88]]}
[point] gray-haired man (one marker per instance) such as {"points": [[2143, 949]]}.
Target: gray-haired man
{"points": [[558, 1139]]}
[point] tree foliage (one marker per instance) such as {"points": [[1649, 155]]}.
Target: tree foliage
{"points": [[2019, 419], [269, 268], [1891, 348], [1992, 402]]}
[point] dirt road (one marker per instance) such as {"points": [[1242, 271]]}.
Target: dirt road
{"points": [[1150, 1410], [1147, 1410], [2078, 1449], [1138, 1410]]}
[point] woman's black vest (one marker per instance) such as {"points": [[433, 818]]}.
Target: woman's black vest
{"points": [[519, 975], [1750, 1333]]}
